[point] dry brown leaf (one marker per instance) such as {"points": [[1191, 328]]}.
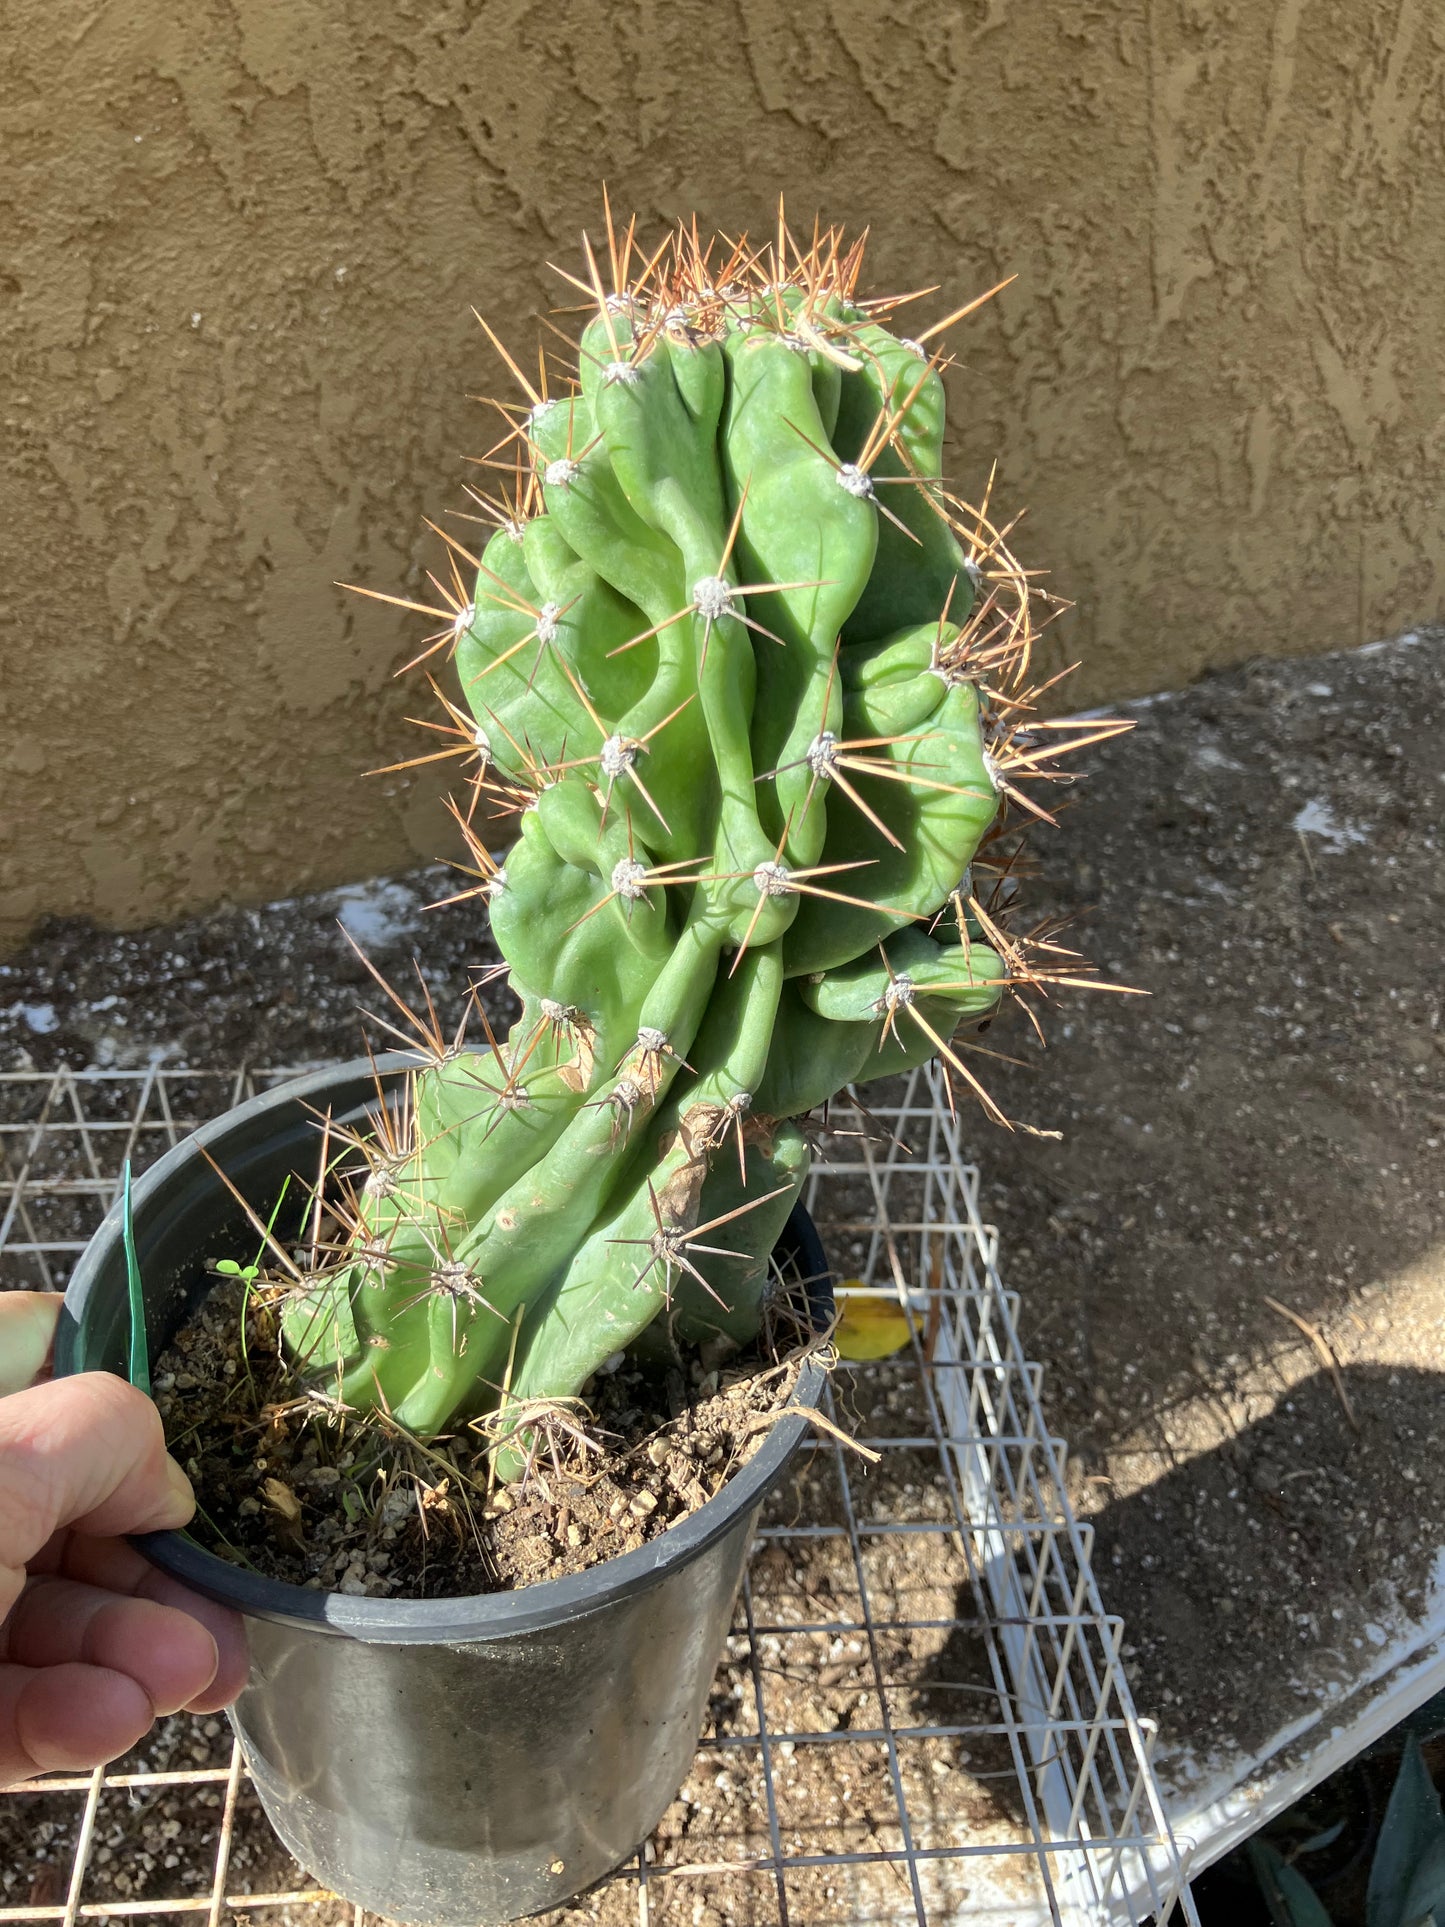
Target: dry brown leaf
{"points": [[282, 1500]]}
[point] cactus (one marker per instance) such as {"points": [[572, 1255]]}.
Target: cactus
{"points": [[756, 680]]}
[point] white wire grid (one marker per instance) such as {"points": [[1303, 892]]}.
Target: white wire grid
{"points": [[922, 1711]]}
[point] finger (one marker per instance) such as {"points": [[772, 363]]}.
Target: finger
{"points": [[27, 1332], [86, 1451], [63, 1717], [121, 1569], [227, 1632], [56, 1622]]}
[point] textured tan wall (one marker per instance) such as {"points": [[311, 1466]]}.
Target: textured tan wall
{"points": [[238, 240]]}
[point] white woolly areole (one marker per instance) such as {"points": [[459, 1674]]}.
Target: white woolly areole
{"points": [[382, 1182], [376, 1262], [740, 1102], [561, 473], [774, 880], [713, 598], [626, 372], [822, 752], [649, 1038], [973, 571], [628, 878], [542, 410], [464, 618], [620, 304], [617, 757], [547, 622], [452, 1276], [855, 481], [482, 742], [990, 770], [913, 347], [497, 884], [900, 992], [627, 1092], [554, 1012]]}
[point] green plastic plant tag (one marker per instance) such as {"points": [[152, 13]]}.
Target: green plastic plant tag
{"points": [[140, 1364]]}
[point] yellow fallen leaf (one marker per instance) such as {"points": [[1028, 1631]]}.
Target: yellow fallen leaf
{"points": [[872, 1324]]}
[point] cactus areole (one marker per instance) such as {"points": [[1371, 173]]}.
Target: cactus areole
{"points": [[756, 681]]}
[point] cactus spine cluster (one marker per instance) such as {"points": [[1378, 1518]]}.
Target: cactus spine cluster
{"points": [[755, 680]]}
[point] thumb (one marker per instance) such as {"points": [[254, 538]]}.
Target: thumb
{"points": [[27, 1331], [89, 1452]]}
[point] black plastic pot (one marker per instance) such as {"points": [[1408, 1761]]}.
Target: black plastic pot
{"points": [[451, 1761]]}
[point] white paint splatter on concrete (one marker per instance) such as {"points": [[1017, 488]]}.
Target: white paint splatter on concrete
{"points": [[1318, 819], [378, 912], [40, 1017]]}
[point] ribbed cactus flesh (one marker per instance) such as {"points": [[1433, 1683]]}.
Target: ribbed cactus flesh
{"points": [[725, 651]]}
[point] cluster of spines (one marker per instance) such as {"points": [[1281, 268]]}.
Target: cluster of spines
{"points": [[690, 293], [698, 290]]}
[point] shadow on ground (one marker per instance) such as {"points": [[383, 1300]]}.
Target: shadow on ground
{"points": [[1221, 1664]]}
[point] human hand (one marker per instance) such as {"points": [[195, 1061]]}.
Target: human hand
{"points": [[95, 1643]]}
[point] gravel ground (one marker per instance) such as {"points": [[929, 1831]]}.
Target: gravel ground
{"points": [[278, 984], [1263, 855]]}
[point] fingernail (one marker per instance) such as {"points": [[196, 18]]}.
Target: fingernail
{"points": [[181, 1492]]}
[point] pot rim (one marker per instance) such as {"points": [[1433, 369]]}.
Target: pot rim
{"points": [[476, 1616]]}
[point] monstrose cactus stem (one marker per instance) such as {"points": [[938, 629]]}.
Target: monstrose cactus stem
{"points": [[757, 682]]}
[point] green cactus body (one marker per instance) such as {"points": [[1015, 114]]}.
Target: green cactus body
{"points": [[720, 653]]}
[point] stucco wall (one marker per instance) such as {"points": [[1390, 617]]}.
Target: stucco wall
{"points": [[239, 239]]}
